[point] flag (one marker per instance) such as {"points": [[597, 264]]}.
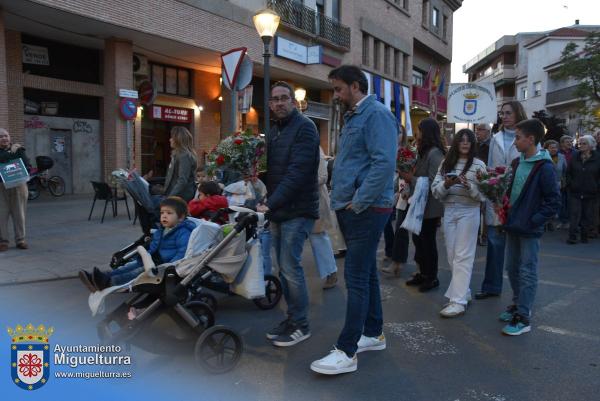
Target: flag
{"points": [[441, 88], [427, 81], [436, 80]]}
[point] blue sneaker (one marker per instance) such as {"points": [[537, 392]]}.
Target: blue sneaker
{"points": [[517, 326], [507, 315]]}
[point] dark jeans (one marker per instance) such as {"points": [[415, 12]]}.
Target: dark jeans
{"points": [[494, 263], [581, 213], [363, 305], [388, 236], [426, 253], [563, 214], [400, 249]]}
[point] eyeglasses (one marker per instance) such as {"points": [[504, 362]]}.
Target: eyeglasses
{"points": [[277, 99]]}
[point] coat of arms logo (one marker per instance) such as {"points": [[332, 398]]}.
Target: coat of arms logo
{"points": [[470, 105], [30, 355]]}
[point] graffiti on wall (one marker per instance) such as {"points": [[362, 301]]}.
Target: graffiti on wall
{"points": [[35, 123]]}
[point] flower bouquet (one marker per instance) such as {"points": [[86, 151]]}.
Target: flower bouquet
{"points": [[406, 159], [493, 184], [240, 153]]}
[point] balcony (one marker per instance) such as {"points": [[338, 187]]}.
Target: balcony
{"points": [[499, 76], [562, 96], [421, 96], [307, 20]]}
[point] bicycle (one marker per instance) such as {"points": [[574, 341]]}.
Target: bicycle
{"points": [[40, 178]]}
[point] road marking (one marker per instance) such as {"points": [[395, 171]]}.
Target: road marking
{"points": [[568, 333], [551, 255], [566, 301], [475, 395], [421, 338]]}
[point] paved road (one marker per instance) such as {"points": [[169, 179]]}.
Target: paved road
{"points": [[428, 358]]}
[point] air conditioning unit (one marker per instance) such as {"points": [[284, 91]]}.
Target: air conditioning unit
{"points": [[140, 65]]}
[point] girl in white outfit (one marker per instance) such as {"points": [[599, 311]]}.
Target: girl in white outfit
{"points": [[455, 185]]}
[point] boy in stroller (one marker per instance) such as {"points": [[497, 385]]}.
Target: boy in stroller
{"points": [[208, 203], [169, 244]]}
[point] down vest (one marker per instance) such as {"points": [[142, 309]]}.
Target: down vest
{"points": [[292, 166]]}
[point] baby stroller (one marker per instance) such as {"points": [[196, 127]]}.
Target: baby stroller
{"points": [[174, 289], [149, 218]]}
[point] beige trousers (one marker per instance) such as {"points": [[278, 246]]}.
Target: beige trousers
{"points": [[13, 203]]}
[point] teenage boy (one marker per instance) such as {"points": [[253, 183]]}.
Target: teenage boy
{"points": [[534, 199]]}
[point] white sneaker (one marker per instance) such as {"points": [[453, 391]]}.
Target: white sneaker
{"points": [[452, 309], [371, 343], [335, 363]]}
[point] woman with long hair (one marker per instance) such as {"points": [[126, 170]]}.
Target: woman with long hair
{"points": [[180, 179], [430, 154], [502, 153], [456, 186]]}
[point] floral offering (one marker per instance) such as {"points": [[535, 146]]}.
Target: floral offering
{"points": [[406, 159], [494, 184], [240, 152]]}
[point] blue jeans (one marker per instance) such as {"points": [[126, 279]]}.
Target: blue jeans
{"points": [[265, 243], [288, 239], [126, 273], [494, 264], [521, 266], [363, 306], [323, 253], [388, 236]]}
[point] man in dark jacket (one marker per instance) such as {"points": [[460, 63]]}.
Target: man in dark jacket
{"points": [[292, 205], [482, 131], [534, 199]]}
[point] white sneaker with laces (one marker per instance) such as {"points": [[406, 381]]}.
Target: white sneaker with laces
{"points": [[335, 363], [371, 343], [452, 309]]}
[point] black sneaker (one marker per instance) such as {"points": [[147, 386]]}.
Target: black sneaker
{"points": [[417, 279], [292, 336], [429, 285], [100, 279], [279, 330]]}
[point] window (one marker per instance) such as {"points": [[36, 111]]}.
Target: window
{"points": [[417, 78], [405, 69], [365, 49], [524, 93], [435, 19], [537, 89], [445, 27], [335, 10], [397, 61], [405, 4], [170, 79], [386, 59], [376, 53], [425, 12]]}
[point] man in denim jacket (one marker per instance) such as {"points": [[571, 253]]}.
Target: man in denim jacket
{"points": [[362, 196]]}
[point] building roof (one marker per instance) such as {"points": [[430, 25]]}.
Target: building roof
{"points": [[566, 32]]}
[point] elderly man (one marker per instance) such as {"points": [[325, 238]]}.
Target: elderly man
{"points": [[483, 134], [13, 201]]}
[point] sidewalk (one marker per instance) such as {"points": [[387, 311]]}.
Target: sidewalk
{"points": [[62, 241]]}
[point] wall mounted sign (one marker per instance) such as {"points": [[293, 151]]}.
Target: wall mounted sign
{"points": [[174, 114], [133, 94], [147, 93], [128, 108], [35, 55], [297, 52]]}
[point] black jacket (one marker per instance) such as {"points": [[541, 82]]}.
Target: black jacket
{"points": [[6, 155], [583, 179], [292, 168]]}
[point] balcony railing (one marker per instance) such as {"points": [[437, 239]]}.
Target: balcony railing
{"points": [[308, 20], [562, 95]]}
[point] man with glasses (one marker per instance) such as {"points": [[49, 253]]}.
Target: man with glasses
{"points": [[292, 205]]}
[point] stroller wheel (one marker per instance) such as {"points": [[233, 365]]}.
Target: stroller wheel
{"points": [[208, 299], [203, 313], [273, 293], [218, 349]]}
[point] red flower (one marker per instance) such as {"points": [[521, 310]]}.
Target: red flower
{"points": [[238, 141], [500, 169], [220, 160], [237, 134]]}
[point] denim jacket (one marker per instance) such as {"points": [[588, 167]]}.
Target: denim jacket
{"points": [[363, 173]]}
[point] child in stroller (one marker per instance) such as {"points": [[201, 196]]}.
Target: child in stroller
{"points": [[169, 244], [209, 203]]}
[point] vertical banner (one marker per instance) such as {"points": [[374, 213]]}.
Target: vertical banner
{"points": [[397, 102], [377, 87], [370, 86], [405, 92], [387, 94]]}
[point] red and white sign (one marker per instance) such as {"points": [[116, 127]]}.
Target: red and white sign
{"points": [[232, 60], [174, 114]]}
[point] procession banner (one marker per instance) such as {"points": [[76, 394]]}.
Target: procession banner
{"points": [[472, 103]]}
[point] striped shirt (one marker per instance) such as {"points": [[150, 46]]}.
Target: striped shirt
{"points": [[459, 194]]}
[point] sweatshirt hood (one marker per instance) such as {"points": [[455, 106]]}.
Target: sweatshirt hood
{"points": [[542, 154]]}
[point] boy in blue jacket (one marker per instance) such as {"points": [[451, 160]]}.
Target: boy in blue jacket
{"points": [[170, 241], [534, 199]]}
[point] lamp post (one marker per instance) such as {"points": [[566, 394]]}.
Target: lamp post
{"points": [[266, 22]]}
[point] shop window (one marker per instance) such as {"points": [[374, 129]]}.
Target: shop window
{"points": [[171, 80]]}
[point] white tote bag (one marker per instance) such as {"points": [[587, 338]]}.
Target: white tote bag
{"points": [[250, 281], [416, 209]]}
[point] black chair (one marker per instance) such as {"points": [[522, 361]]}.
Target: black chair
{"points": [[102, 191]]}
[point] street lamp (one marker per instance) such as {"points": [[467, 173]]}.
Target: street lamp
{"points": [[266, 22], [300, 95]]}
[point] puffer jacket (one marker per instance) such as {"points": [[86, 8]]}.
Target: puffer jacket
{"points": [[172, 246], [292, 166]]}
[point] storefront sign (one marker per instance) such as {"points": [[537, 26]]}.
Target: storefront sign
{"points": [[13, 173], [128, 93], [472, 103], [147, 93], [297, 52], [35, 55], [175, 114], [128, 108]]}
